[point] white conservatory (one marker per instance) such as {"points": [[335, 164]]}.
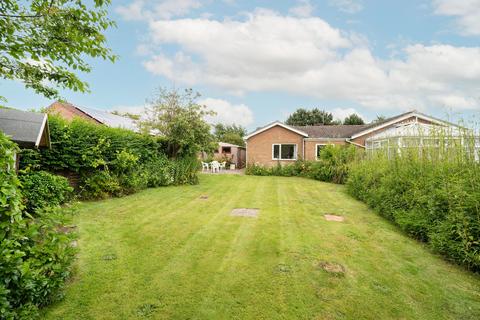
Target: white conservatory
{"points": [[421, 136]]}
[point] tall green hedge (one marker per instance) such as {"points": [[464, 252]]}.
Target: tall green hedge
{"points": [[108, 161], [434, 199], [80, 146], [34, 256]]}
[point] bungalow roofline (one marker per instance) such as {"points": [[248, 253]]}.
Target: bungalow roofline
{"points": [[274, 124]]}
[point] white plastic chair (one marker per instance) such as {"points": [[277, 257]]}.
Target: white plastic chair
{"points": [[223, 165], [215, 166], [205, 166]]}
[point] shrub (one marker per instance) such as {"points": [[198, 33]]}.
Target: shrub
{"points": [[108, 161], [332, 166], [433, 199], [34, 255], [34, 264], [99, 185], [185, 170], [159, 172], [42, 189]]}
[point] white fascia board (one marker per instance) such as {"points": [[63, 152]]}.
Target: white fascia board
{"points": [[42, 128], [277, 123], [406, 116]]}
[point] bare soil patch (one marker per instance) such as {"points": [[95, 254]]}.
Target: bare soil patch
{"points": [[332, 267]]}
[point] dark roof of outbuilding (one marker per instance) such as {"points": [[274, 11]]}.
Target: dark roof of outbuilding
{"points": [[25, 128], [331, 131]]}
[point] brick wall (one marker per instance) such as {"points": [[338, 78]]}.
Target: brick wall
{"points": [[68, 112], [259, 147], [311, 146]]}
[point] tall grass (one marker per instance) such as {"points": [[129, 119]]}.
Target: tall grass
{"points": [[430, 188]]}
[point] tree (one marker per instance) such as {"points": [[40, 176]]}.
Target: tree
{"points": [[179, 119], [43, 42], [379, 119], [303, 117], [353, 119], [230, 133]]}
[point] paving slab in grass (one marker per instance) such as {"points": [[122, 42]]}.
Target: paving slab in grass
{"points": [[245, 212]]}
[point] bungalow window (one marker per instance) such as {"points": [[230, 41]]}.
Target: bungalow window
{"points": [[284, 152], [318, 150]]}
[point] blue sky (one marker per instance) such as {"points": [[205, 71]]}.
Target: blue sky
{"points": [[257, 61]]}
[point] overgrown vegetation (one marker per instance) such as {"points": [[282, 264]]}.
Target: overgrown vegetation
{"points": [[332, 165], [107, 161], [41, 189], [433, 194], [34, 254]]}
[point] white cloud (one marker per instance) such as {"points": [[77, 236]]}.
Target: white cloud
{"points": [[135, 109], [228, 113], [133, 11], [303, 9], [157, 9], [348, 6], [467, 13], [306, 56], [342, 113]]}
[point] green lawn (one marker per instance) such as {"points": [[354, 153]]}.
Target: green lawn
{"points": [[166, 254]]}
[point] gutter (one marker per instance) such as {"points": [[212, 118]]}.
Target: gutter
{"points": [[354, 143]]}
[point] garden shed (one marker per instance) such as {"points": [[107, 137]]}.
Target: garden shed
{"points": [[27, 129], [235, 154]]}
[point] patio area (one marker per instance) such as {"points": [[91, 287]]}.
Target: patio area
{"points": [[225, 171]]}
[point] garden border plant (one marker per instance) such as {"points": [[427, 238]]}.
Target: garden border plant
{"points": [[432, 194], [35, 256], [332, 165]]}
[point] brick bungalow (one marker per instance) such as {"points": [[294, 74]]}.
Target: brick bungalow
{"points": [[281, 143]]}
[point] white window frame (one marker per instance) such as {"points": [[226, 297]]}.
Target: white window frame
{"points": [[316, 147], [295, 151]]}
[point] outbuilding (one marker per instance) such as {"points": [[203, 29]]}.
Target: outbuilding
{"points": [[27, 129]]}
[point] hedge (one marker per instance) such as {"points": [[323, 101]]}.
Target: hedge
{"points": [[108, 161], [432, 194], [433, 199]]}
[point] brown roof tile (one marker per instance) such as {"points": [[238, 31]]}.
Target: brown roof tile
{"points": [[335, 131]]}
